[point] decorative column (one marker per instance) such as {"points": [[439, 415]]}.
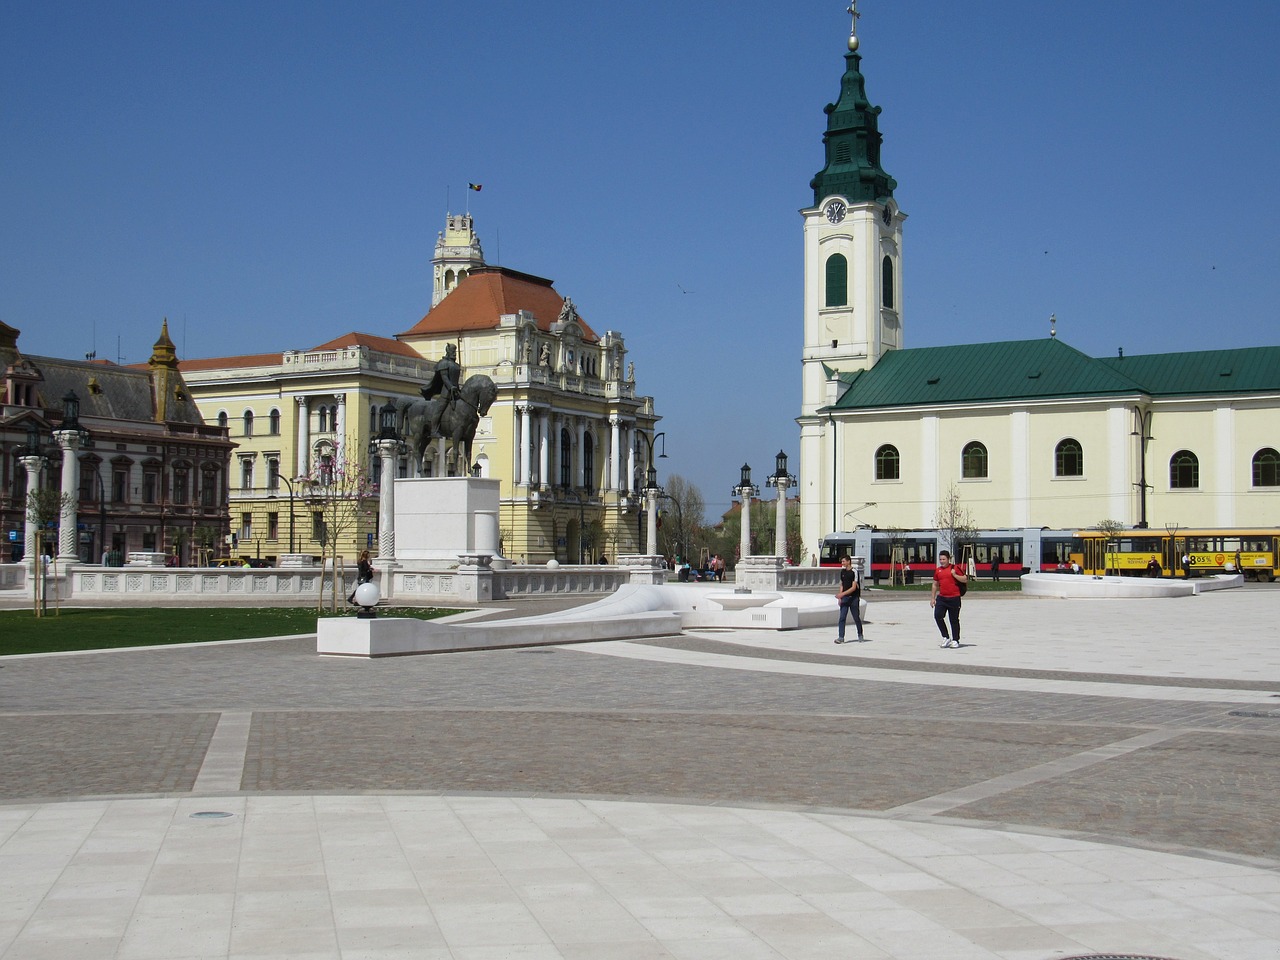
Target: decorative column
{"points": [[340, 428], [544, 428], [302, 458], [579, 461], [780, 524], [745, 490], [34, 467], [615, 452], [526, 445], [631, 458], [388, 450], [651, 522], [69, 441]]}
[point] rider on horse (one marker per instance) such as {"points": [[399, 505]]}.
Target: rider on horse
{"points": [[444, 383]]}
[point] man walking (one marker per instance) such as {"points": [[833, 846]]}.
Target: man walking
{"points": [[944, 597], [850, 590]]}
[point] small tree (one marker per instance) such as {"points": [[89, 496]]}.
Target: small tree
{"points": [[203, 539], [339, 489], [954, 522], [44, 508], [1109, 529], [682, 523]]}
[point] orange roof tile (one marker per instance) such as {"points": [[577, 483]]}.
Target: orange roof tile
{"points": [[373, 342], [228, 363], [485, 295]]}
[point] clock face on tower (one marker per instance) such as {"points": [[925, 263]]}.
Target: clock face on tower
{"points": [[835, 211], [887, 215]]}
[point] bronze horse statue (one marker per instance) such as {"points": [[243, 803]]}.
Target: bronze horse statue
{"points": [[421, 421]]}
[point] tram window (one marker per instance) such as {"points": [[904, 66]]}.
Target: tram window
{"points": [[880, 552], [1231, 544], [1057, 551]]}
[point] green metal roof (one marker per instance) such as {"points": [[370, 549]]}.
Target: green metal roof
{"points": [[1246, 370], [852, 144], [1047, 369]]}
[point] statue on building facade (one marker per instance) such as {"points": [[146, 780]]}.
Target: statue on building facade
{"points": [[568, 313]]}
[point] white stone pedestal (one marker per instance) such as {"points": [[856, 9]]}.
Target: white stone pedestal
{"points": [[442, 518], [759, 573], [643, 568]]}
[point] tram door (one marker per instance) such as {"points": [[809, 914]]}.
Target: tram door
{"points": [[1095, 555]]}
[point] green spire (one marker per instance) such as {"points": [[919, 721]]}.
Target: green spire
{"points": [[852, 142]]}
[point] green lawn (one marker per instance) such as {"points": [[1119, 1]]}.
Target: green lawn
{"points": [[78, 629]]}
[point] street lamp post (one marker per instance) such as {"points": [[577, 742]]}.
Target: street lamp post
{"points": [[1143, 433], [33, 461], [651, 493], [292, 547], [70, 436], [781, 479], [745, 490], [387, 446]]}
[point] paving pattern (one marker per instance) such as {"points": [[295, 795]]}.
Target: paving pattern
{"points": [[1169, 756]]}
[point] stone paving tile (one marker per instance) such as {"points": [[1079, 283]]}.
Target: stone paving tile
{"points": [[794, 760], [68, 756], [1208, 789]]}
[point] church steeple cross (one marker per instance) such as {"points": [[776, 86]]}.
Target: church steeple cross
{"points": [[853, 29]]}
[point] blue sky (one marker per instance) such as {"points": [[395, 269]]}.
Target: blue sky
{"points": [[269, 175]]}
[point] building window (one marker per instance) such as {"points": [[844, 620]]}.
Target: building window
{"points": [[273, 526], [248, 423], [120, 486], [246, 526], [566, 466], [209, 487], [886, 282], [374, 426], [222, 419], [837, 281], [1068, 459], [180, 485], [150, 487], [246, 474], [273, 475], [887, 465], [1184, 471], [1266, 468], [973, 461], [588, 463], [275, 423], [326, 469], [319, 532], [324, 419]]}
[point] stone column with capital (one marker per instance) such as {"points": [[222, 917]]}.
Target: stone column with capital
{"points": [[69, 441], [615, 452], [744, 546], [544, 452], [387, 453], [34, 467], [651, 523], [780, 526], [302, 458], [526, 445], [340, 428]]}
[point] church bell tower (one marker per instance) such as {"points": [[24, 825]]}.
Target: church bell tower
{"points": [[852, 245]]}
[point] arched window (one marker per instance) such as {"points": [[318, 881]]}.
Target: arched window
{"points": [[837, 281], [887, 465], [973, 461], [886, 282], [222, 419], [1068, 459], [566, 465], [324, 419], [373, 420], [275, 423], [1266, 468], [588, 463], [248, 423], [1184, 471]]}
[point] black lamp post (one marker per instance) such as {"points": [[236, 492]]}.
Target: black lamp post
{"points": [[292, 548], [1143, 433], [71, 412]]}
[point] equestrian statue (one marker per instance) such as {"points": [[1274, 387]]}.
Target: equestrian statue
{"points": [[448, 410]]}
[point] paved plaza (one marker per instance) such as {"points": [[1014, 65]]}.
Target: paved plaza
{"points": [[1080, 778]]}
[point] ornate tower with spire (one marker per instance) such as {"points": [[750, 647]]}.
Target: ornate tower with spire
{"points": [[852, 285], [852, 244], [457, 254], [166, 381]]}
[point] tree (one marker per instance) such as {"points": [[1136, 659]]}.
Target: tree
{"points": [[682, 524], [203, 539], [1109, 529], [339, 489], [954, 522], [44, 509]]}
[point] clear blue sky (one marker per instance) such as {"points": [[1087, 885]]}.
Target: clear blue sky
{"points": [[269, 175]]}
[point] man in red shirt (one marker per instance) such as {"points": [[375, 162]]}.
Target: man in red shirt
{"points": [[944, 597]]}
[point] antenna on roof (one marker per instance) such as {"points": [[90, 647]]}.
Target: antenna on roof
{"points": [[1053, 328]]}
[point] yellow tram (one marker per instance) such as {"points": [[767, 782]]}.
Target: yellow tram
{"points": [[1253, 552]]}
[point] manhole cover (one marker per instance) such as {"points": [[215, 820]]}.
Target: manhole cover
{"points": [[211, 815]]}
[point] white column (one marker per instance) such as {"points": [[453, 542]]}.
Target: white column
{"points": [[544, 427], [579, 459], [631, 457], [69, 441], [340, 428], [744, 548], [526, 444], [651, 523], [387, 500], [34, 467], [615, 452], [780, 525], [303, 459]]}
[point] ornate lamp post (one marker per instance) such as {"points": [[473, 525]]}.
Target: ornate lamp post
{"points": [[1143, 433], [292, 547], [33, 461], [745, 490], [651, 493], [387, 446], [70, 436], [781, 479]]}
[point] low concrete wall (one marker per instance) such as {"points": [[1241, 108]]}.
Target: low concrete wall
{"points": [[207, 584], [13, 576], [1068, 586]]}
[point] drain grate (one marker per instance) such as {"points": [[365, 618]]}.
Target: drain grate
{"points": [[211, 815]]}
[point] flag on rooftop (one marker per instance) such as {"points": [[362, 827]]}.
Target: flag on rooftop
{"points": [[475, 186]]}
